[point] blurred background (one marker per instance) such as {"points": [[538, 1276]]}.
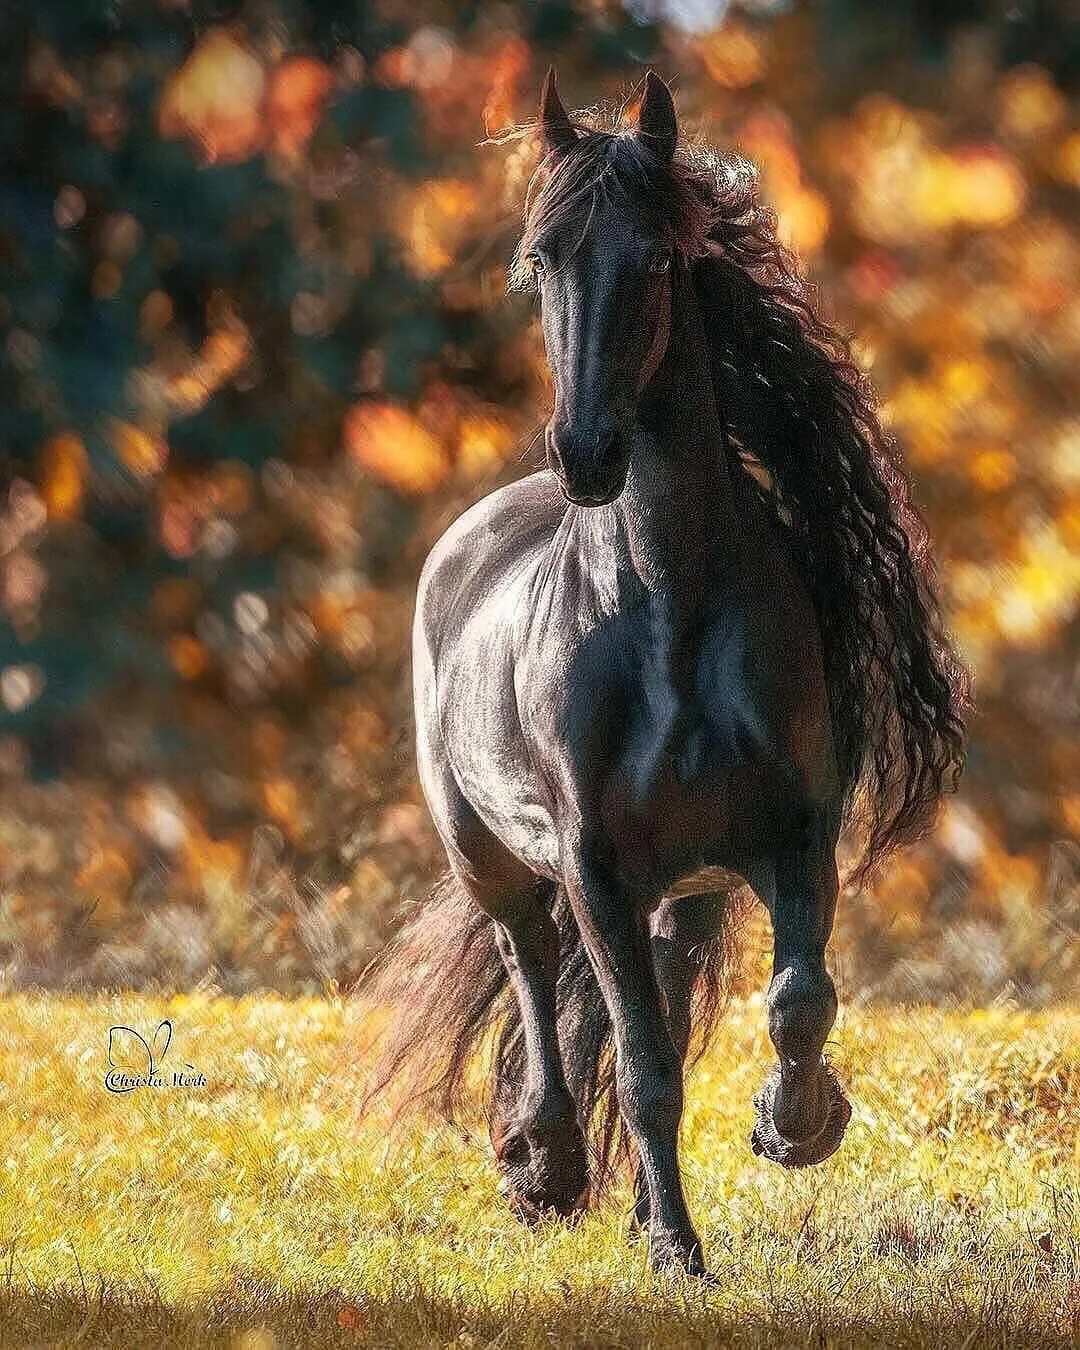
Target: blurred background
{"points": [[255, 353]]}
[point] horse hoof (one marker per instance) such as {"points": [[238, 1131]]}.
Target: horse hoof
{"points": [[767, 1141], [533, 1208], [541, 1180], [678, 1254]]}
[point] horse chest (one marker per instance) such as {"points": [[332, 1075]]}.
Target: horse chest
{"points": [[705, 761], [690, 749], [697, 709], [669, 727], [708, 789]]}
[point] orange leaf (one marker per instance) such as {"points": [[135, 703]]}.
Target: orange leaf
{"points": [[351, 1318], [64, 474], [294, 101], [143, 453]]}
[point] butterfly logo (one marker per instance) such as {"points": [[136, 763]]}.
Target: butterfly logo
{"points": [[133, 1061]]}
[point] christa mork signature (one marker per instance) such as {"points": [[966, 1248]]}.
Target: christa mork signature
{"points": [[135, 1062]]}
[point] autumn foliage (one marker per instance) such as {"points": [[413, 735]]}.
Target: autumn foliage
{"points": [[255, 351]]}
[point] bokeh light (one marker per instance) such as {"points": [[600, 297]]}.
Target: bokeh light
{"points": [[256, 352]]}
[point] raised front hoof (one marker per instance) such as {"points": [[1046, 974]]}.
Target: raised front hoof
{"points": [[678, 1254], [543, 1178], [767, 1141]]}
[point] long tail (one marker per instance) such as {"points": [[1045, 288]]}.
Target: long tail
{"points": [[441, 992]]}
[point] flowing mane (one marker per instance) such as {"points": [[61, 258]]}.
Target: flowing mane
{"points": [[801, 421]]}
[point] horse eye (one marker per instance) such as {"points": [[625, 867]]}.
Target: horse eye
{"points": [[660, 263]]}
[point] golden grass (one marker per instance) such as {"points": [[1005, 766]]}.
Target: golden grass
{"points": [[250, 1214]]}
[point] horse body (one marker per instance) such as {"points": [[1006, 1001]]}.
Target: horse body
{"points": [[619, 706], [641, 681], [680, 727]]}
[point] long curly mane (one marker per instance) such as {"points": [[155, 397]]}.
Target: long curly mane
{"points": [[801, 420]]}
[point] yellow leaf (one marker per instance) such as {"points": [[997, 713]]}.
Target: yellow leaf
{"points": [[483, 443], [1030, 102], [143, 453], [993, 470], [732, 56], [441, 211], [392, 444], [216, 98]]}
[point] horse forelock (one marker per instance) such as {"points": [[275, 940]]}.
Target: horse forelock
{"points": [[613, 165]]}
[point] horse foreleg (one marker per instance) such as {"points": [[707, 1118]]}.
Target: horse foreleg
{"points": [[801, 1111], [648, 1067], [538, 1142], [682, 930]]}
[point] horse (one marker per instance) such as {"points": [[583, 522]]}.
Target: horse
{"points": [[680, 660]]}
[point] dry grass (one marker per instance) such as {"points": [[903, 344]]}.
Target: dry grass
{"points": [[249, 1214]]}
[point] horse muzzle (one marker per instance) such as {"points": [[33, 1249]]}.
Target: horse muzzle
{"points": [[591, 468]]}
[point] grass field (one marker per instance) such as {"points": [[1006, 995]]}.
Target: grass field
{"points": [[248, 1212]]}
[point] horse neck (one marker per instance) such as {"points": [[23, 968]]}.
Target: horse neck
{"points": [[678, 511]]}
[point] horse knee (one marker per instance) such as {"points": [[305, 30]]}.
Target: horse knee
{"points": [[651, 1099], [553, 1112], [802, 1008], [525, 932]]}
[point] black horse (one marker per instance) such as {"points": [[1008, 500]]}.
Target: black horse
{"points": [[681, 659]]}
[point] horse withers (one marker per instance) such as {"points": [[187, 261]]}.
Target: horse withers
{"points": [[681, 659]]}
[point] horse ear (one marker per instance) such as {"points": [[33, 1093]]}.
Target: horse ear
{"points": [[658, 127], [555, 128]]}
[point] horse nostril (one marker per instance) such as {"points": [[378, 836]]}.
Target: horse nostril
{"points": [[588, 460]]}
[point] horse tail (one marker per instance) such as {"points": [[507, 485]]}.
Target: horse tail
{"points": [[434, 993], [442, 995]]}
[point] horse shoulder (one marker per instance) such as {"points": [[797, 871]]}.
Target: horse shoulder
{"points": [[471, 591]]}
